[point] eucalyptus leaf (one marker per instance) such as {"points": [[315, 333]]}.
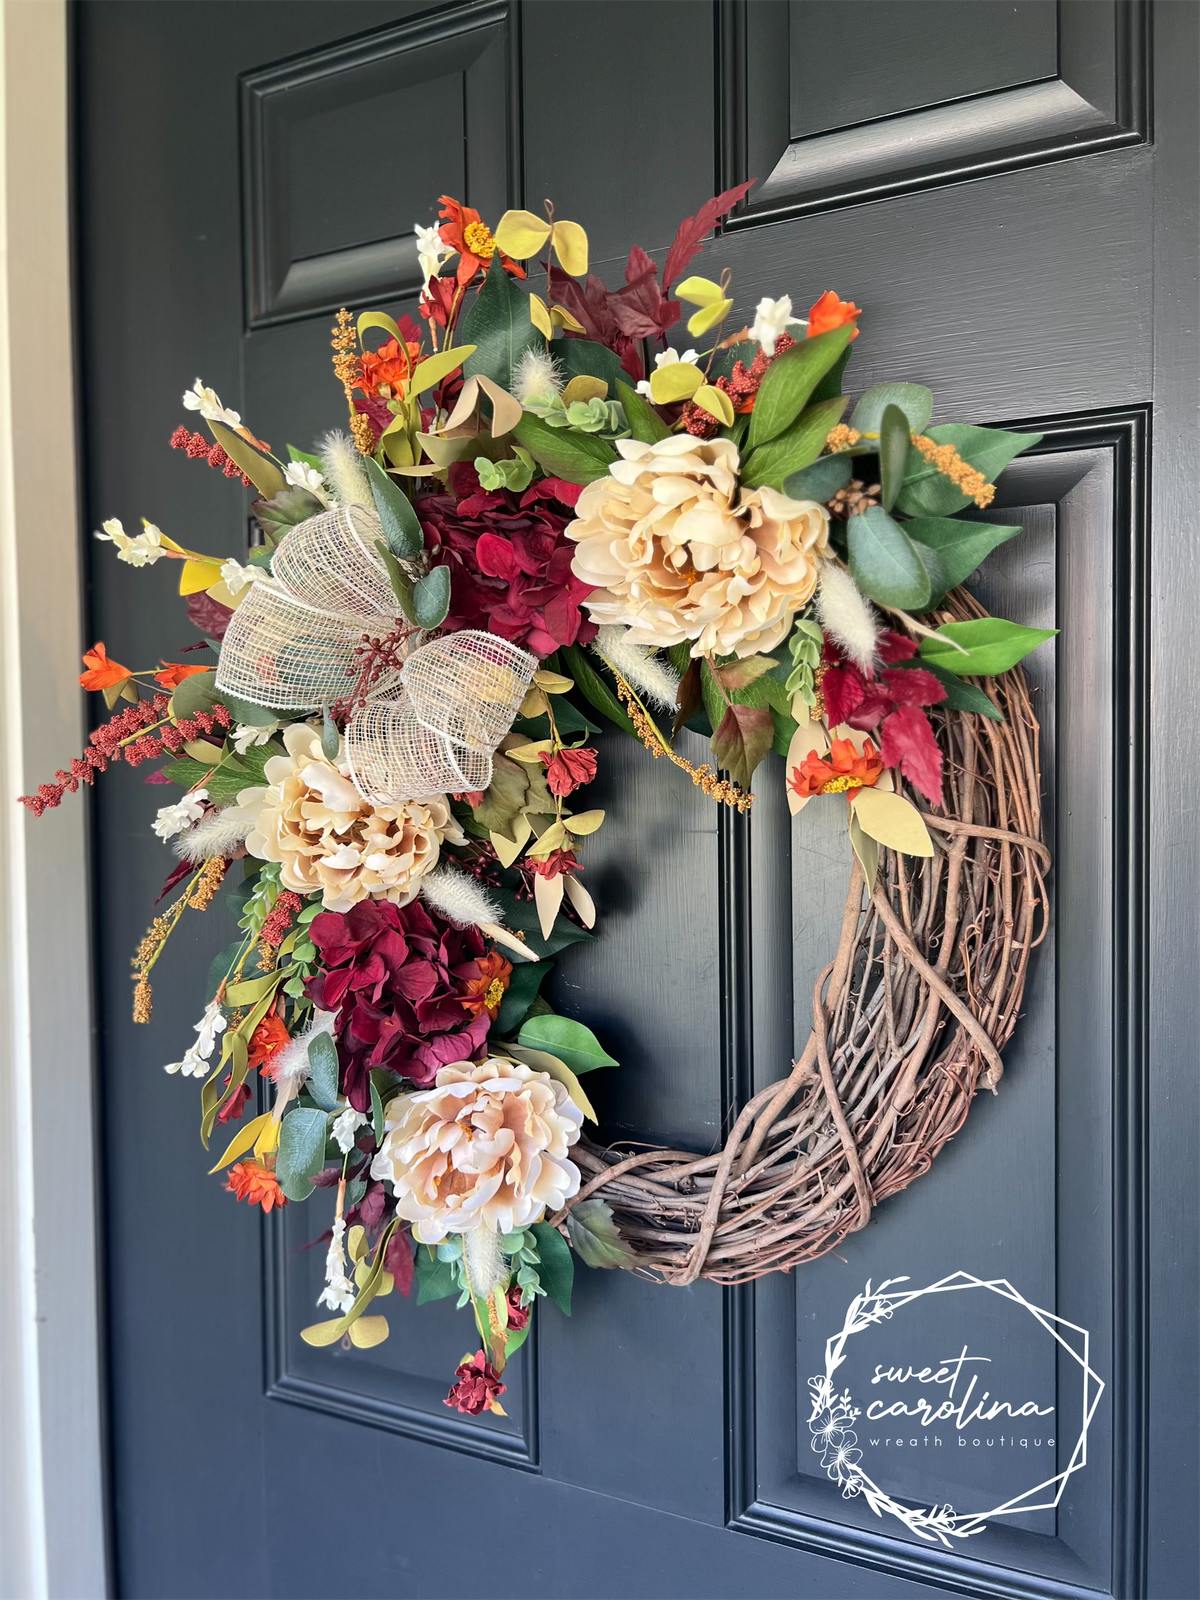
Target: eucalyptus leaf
{"points": [[556, 1268], [884, 563], [401, 528], [247, 714], [961, 546], [301, 1151], [567, 1039], [913, 399], [822, 480], [436, 1279], [323, 1071], [789, 381], [893, 454], [331, 740], [431, 598]]}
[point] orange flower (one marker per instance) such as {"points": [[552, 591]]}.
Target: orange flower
{"points": [[102, 673], [252, 1181], [842, 770], [830, 312], [464, 230], [386, 371], [267, 1038], [171, 674], [485, 992]]}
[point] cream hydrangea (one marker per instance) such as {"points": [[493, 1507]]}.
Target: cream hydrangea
{"points": [[486, 1147], [679, 552], [325, 836]]}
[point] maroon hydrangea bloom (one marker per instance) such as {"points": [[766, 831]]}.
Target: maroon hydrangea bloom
{"points": [[510, 566], [396, 976], [478, 1385]]}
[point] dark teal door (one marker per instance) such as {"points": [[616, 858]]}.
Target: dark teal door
{"points": [[1009, 190]]}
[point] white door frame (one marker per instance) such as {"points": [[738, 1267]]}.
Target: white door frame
{"points": [[53, 1521]]}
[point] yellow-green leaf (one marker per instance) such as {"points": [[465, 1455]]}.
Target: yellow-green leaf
{"points": [[520, 234], [570, 244], [356, 1242], [708, 316], [547, 897], [678, 380], [553, 682], [540, 317], [586, 822], [242, 1140], [584, 387], [865, 849], [252, 990], [323, 1333], [197, 575], [434, 368], [381, 320], [201, 750], [262, 472], [893, 821], [543, 1061], [716, 402], [699, 291]]}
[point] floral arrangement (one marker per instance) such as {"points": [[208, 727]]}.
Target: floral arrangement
{"points": [[538, 511]]}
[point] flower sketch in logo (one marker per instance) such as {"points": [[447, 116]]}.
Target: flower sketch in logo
{"points": [[833, 1416]]}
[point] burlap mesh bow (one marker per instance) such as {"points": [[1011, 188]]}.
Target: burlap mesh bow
{"points": [[296, 644]]}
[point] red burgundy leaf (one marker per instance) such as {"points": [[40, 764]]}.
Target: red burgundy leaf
{"points": [[908, 743], [693, 230], [913, 686], [894, 647], [842, 688]]}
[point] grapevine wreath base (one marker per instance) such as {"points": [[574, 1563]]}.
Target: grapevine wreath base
{"points": [[909, 1019]]}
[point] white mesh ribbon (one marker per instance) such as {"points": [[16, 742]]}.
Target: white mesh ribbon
{"points": [[293, 645]]}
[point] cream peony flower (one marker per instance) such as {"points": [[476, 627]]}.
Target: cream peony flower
{"points": [[486, 1147], [313, 821], [678, 552]]}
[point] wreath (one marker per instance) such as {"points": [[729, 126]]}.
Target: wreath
{"points": [[540, 512]]}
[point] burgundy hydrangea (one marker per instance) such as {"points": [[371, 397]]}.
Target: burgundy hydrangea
{"points": [[477, 1387], [509, 563], [396, 976]]}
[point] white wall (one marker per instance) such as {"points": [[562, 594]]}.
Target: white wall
{"points": [[52, 1522]]}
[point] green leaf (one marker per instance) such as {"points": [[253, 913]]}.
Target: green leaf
{"points": [[644, 422], [284, 511], [831, 384], [401, 586], [575, 457], [567, 1039], [247, 713], [595, 1237], [498, 325], [226, 782], [401, 528], [431, 598], [307, 457], [822, 480], [789, 382], [323, 1071], [521, 917], [197, 693], [263, 473], [377, 1122], [595, 690], [522, 990], [742, 740], [586, 358], [301, 1151], [331, 741], [798, 447], [991, 644], [913, 399], [556, 1267], [435, 1278], [961, 696], [884, 563], [961, 546], [893, 454], [927, 493]]}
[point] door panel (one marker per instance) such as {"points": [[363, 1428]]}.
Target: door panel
{"points": [[658, 1442]]}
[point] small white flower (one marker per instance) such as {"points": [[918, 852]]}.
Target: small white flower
{"points": [[303, 476], [208, 403], [210, 1025], [338, 1293], [345, 1126], [141, 551], [771, 319], [668, 358], [431, 252], [235, 576], [174, 819], [244, 738], [190, 1066]]}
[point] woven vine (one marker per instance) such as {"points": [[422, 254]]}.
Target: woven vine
{"points": [[909, 1019]]}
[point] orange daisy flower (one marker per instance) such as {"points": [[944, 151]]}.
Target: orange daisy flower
{"points": [[267, 1039], [842, 770], [485, 992], [171, 674], [255, 1183], [830, 312], [102, 673], [386, 371], [464, 230]]}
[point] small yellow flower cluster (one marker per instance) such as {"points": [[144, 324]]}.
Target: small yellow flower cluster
{"points": [[345, 364], [951, 465], [842, 437], [704, 778]]}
